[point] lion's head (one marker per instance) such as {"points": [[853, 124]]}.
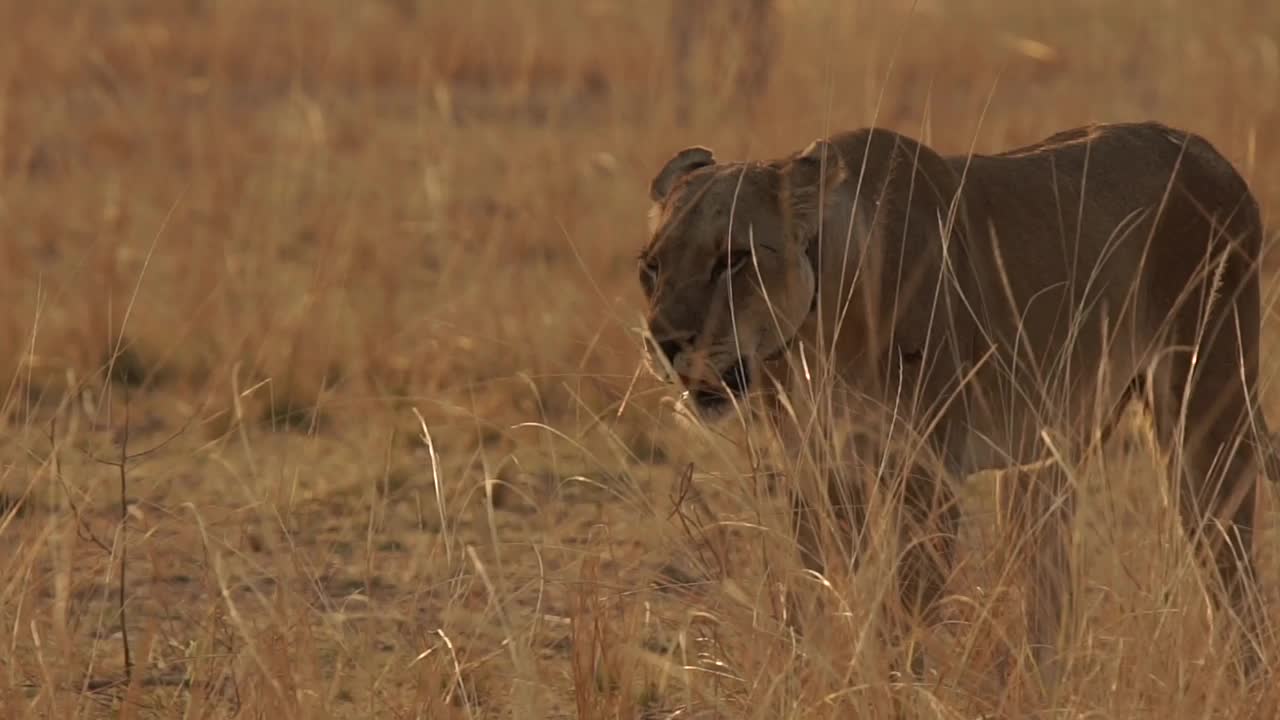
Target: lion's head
{"points": [[728, 273]]}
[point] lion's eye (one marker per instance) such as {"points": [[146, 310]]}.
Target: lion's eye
{"points": [[729, 263]]}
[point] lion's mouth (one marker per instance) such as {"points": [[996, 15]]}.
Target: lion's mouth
{"points": [[713, 400]]}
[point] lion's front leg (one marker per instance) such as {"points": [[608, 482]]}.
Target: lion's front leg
{"points": [[828, 518], [829, 529], [929, 528], [1036, 508]]}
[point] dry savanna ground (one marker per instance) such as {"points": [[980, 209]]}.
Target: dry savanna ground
{"points": [[318, 370]]}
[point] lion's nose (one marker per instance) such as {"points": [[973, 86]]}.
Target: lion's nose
{"points": [[670, 348]]}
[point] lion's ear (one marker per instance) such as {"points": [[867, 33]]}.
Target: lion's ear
{"points": [[680, 164], [818, 168], [811, 176]]}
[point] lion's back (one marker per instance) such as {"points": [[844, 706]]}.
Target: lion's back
{"points": [[1103, 217], [1132, 162], [1098, 180]]}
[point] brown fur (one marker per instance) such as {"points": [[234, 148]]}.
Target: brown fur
{"points": [[998, 309]]}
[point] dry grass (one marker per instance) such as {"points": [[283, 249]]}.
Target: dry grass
{"points": [[243, 245]]}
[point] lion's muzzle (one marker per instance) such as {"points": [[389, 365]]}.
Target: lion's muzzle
{"points": [[714, 400], [711, 389]]}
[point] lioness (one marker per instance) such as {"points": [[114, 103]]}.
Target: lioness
{"points": [[998, 307]]}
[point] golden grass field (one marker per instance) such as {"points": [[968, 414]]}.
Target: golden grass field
{"points": [[317, 322]]}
